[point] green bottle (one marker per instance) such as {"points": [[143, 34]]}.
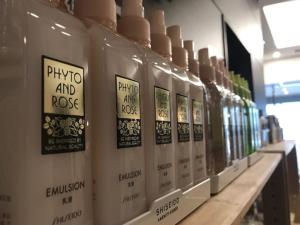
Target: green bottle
{"points": [[239, 118], [247, 116]]}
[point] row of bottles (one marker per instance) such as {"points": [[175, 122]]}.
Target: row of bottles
{"points": [[89, 111]]}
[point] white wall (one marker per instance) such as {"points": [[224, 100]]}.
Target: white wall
{"points": [[201, 21]]}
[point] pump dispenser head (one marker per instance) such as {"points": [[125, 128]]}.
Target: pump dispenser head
{"points": [[206, 70], [221, 65], [101, 11], [160, 42], [132, 24], [179, 54], [219, 75], [193, 63]]}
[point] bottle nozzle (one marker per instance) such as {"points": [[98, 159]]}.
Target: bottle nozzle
{"points": [[214, 62], [203, 57], [157, 22], [174, 32], [190, 47], [132, 24], [132, 8], [160, 42], [102, 11]]}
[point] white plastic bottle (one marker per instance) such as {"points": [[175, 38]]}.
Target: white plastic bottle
{"points": [[117, 119], [181, 110], [45, 174], [157, 84], [197, 116]]}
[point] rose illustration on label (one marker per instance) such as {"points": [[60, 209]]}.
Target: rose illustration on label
{"points": [[183, 128], [59, 127], [129, 127]]}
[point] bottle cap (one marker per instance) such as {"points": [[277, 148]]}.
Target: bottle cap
{"points": [[174, 32], [102, 11], [190, 47], [219, 75], [179, 54], [221, 64], [207, 72], [193, 63], [203, 57], [160, 42], [132, 24]]}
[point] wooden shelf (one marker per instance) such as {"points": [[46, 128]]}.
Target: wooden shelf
{"points": [[231, 205], [281, 147]]}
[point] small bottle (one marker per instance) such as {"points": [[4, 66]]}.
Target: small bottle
{"points": [[157, 84], [181, 110], [216, 154], [226, 104], [197, 116], [117, 98], [45, 163]]}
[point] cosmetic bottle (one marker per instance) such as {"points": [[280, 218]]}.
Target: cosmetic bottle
{"points": [[197, 96], [255, 119], [45, 174], [157, 84], [238, 119], [231, 118], [244, 115], [181, 110], [216, 154], [248, 115], [117, 116], [226, 104]]}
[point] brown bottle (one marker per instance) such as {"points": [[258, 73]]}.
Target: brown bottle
{"points": [[216, 154]]}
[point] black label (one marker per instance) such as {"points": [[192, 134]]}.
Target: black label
{"points": [[198, 132], [63, 121], [128, 113]]}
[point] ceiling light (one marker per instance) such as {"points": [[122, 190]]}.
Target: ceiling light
{"points": [[283, 20], [276, 55]]}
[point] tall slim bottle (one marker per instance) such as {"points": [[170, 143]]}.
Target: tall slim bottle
{"points": [[157, 84], [238, 120], [117, 120], [197, 116], [231, 118], [244, 115], [216, 155], [248, 116], [45, 174], [225, 105], [181, 110]]}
